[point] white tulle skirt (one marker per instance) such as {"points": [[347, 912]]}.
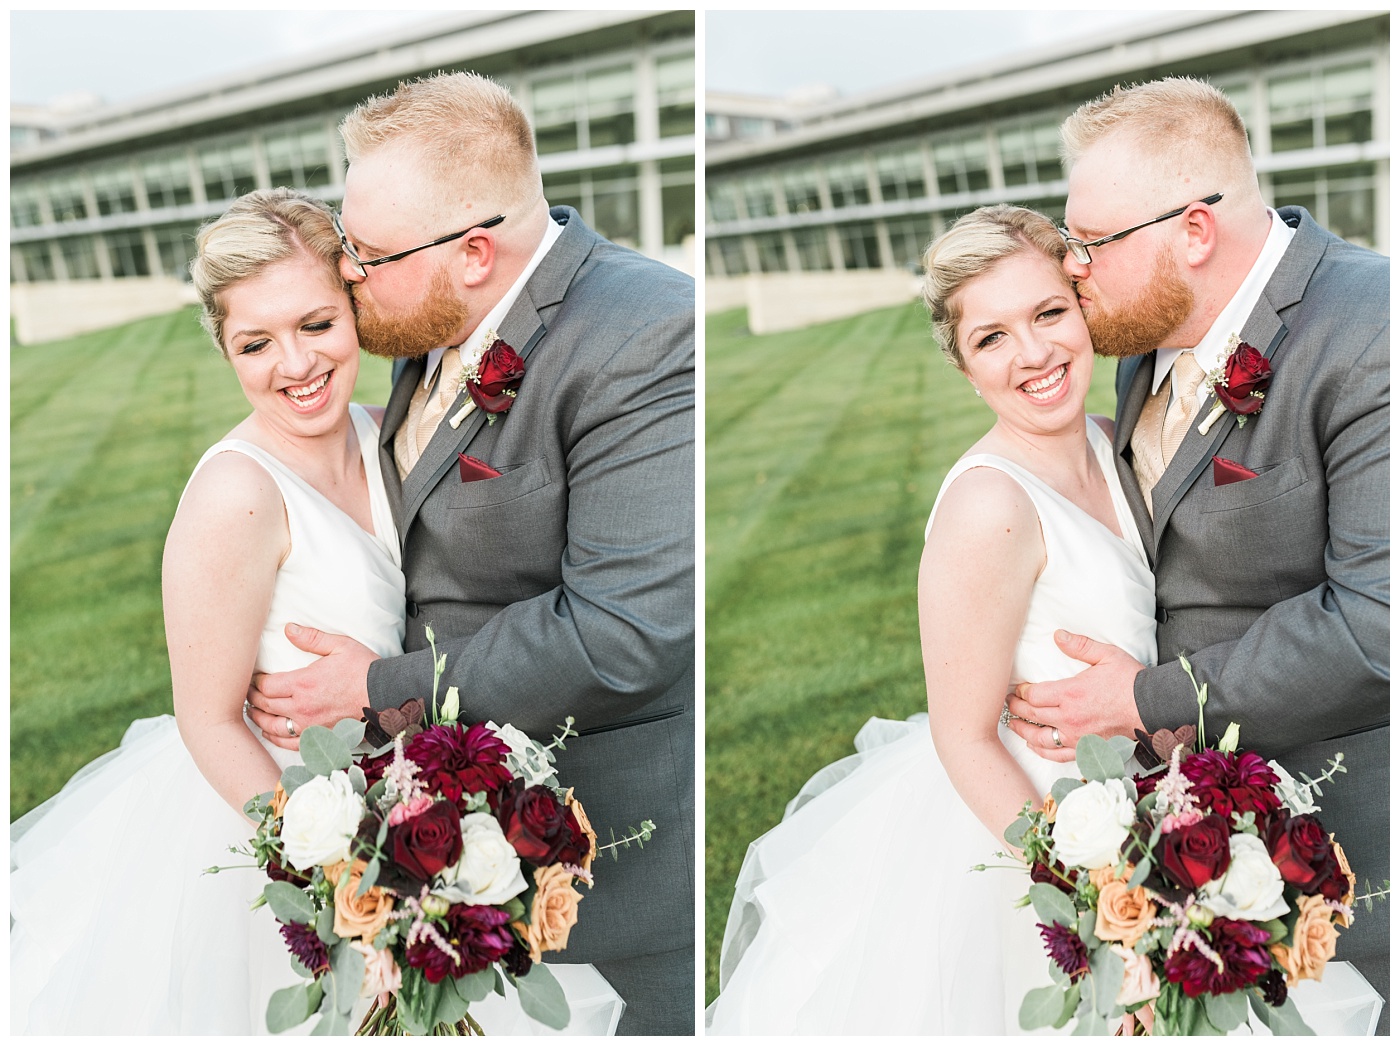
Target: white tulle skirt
{"points": [[116, 930], [860, 913]]}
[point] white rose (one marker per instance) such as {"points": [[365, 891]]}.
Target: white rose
{"points": [[1251, 887], [319, 821], [1294, 794], [527, 759], [1092, 822], [489, 870]]}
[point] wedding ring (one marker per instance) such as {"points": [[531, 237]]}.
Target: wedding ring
{"points": [[292, 728], [1005, 719], [1054, 735]]}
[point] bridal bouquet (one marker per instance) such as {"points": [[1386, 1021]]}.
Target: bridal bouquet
{"points": [[1174, 901], [425, 873]]}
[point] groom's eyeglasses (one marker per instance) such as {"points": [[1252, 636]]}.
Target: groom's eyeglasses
{"points": [[1080, 249], [359, 264]]}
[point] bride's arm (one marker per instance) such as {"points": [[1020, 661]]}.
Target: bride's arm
{"points": [[980, 562], [221, 558]]}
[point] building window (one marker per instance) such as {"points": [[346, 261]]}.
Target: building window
{"points": [[38, 263], [1030, 154], [175, 244], [724, 201], [126, 250], [848, 183], [79, 257], [759, 200], [901, 174], [67, 200], [615, 211], [860, 247], [772, 256], [813, 250], [1342, 199], [25, 209], [227, 171], [731, 252], [716, 126], [675, 95], [801, 190], [298, 157], [1321, 107], [115, 190], [909, 237], [566, 190], [611, 119], [167, 181], [677, 200], [961, 164], [556, 115]]}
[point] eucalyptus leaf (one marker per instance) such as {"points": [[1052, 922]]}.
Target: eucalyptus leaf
{"points": [[1016, 830], [1140, 873], [323, 752], [376, 792], [301, 971], [1124, 746], [1086, 929], [351, 731], [1053, 906], [476, 986], [294, 777], [1042, 1007], [288, 1007], [1286, 1020], [251, 806], [1063, 787], [1277, 930], [357, 780], [1070, 1005], [289, 904], [333, 1023], [1106, 971], [325, 926], [499, 985], [1091, 1023], [1096, 758], [1227, 1012], [542, 998], [368, 877], [346, 976], [451, 1007]]}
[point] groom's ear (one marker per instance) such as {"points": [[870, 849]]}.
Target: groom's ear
{"points": [[476, 257], [1202, 232]]}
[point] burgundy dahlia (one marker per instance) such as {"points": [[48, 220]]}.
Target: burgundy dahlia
{"points": [[517, 961], [1226, 783], [309, 949], [1066, 949], [479, 933], [1242, 947], [1273, 987], [457, 760]]}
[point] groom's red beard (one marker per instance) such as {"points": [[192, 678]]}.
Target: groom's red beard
{"points": [[440, 319], [1145, 323]]}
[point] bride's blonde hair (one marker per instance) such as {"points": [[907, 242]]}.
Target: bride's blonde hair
{"points": [[260, 229], [972, 247]]}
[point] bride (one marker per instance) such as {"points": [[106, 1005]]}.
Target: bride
{"points": [[113, 927], [861, 912]]}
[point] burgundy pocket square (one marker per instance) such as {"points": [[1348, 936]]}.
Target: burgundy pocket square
{"points": [[1227, 472], [474, 468]]}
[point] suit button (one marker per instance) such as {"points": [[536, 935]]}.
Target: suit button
{"points": [[1161, 615], [412, 608]]}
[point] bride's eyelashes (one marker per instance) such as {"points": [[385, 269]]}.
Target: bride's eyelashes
{"points": [[253, 347], [319, 327], [989, 339]]}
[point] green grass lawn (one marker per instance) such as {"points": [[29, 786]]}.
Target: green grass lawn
{"points": [[825, 449], [98, 456]]}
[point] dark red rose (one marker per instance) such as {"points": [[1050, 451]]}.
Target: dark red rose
{"points": [[1239, 781], [1066, 949], [309, 949], [1243, 949], [1246, 372], [1302, 851], [279, 874], [457, 760], [498, 374], [1194, 855], [479, 934], [541, 828], [1058, 876], [424, 845]]}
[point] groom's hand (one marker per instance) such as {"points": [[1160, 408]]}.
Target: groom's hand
{"points": [[1099, 700], [326, 691]]}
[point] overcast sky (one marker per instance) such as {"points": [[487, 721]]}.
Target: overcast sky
{"points": [[774, 52], [120, 55]]}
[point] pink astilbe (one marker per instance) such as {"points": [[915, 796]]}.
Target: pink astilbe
{"points": [[1176, 804], [401, 776]]}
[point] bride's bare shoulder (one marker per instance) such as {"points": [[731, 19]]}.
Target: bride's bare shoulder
{"points": [[230, 497], [984, 506]]}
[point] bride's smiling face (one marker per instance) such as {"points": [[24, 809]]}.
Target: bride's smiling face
{"points": [[290, 336], [1024, 343]]}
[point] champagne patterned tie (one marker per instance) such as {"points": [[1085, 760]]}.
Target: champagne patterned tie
{"points": [[1187, 377], [426, 412], [1161, 429]]}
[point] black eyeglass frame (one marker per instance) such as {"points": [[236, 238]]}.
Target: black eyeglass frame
{"points": [[1080, 249], [361, 263]]}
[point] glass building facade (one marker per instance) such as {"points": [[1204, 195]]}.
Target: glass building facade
{"points": [[614, 114], [1316, 110]]}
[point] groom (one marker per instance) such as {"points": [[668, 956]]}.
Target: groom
{"points": [[1269, 539], [548, 524]]}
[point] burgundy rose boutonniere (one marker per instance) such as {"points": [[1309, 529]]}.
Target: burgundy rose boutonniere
{"points": [[1239, 383], [491, 380]]}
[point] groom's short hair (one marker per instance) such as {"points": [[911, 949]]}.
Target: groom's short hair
{"points": [[1177, 119], [467, 130]]}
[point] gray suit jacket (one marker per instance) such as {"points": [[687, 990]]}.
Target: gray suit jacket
{"points": [[566, 585], [1278, 587]]}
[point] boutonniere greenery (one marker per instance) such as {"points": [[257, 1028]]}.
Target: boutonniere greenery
{"points": [[491, 378], [1239, 382]]}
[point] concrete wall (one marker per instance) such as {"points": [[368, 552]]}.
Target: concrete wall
{"points": [[63, 308], [781, 301]]}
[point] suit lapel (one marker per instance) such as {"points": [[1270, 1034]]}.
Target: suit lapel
{"points": [[1134, 380]]}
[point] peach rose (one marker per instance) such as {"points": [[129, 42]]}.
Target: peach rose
{"points": [[553, 914], [1101, 877], [382, 975], [279, 800], [1050, 806], [1124, 915], [577, 808], [362, 916], [1350, 897], [1314, 941]]}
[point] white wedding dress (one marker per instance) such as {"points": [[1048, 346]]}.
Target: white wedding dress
{"points": [[114, 928], [860, 912]]}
